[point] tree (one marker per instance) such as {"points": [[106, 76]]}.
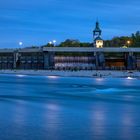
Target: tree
{"points": [[117, 41], [114, 42], [48, 45], [136, 39], [70, 43]]}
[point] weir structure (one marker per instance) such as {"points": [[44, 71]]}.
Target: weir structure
{"points": [[71, 58], [95, 57]]}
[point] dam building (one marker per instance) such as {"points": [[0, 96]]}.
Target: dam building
{"points": [[95, 57], [88, 58]]}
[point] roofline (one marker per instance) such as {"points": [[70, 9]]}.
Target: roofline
{"points": [[90, 49], [72, 49]]}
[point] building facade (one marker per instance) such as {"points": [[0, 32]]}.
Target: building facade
{"points": [[95, 57], [90, 58]]}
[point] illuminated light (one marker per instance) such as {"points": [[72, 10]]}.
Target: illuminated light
{"points": [[99, 79], [52, 77], [20, 75], [50, 42], [128, 42], [124, 47], [130, 78], [99, 44], [54, 41], [20, 43]]}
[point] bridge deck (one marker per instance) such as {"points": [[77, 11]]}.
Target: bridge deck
{"points": [[89, 49], [71, 49]]}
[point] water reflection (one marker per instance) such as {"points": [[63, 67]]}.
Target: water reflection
{"points": [[52, 121], [52, 77], [69, 108], [98, 119], [19, 75]]}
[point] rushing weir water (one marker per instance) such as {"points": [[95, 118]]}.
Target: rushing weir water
{"points": [[56, 108]]}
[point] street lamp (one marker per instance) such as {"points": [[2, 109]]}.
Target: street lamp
{"points": [[20, 43], [54, 42], [50, 43], [128, 43]]}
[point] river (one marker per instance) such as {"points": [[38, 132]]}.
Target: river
{"points": [[69, 108]]}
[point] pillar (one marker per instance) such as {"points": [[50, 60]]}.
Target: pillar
{"points": [[100, 60], [96, 60], [130, 61], [16, 58], [48, 60]]}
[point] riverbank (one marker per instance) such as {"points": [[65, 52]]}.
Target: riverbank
{"points": [[82, 73]]}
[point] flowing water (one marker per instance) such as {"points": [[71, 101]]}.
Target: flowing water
{"points": [[56, 108]]}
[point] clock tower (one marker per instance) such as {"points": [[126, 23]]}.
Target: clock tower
{"points": [[98, 42]]}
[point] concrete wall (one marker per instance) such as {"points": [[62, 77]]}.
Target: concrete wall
{"points": [[44, 58]]}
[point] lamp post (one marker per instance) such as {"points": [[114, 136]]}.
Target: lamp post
{"points": [[128, 43], [54, 42], [20, 44], [50, 43]]}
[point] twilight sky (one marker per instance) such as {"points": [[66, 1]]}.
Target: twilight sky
{"points": [[36, 22]]}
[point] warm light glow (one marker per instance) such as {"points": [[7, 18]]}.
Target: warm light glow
{"points": [[99, 44], [125, 47], [128, 42]]}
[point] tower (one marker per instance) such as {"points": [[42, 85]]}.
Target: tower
{"points": [[98, 42]]}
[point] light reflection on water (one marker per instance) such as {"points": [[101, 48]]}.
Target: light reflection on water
{"points": [[55, 108]]}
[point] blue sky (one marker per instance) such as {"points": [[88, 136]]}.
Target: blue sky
{"points": [[36, 22]]}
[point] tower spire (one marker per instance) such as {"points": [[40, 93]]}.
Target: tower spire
{"points": [[98, 42], [97, 31]]}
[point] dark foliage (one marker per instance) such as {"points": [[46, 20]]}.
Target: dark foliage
{"points": [[134, 41]]}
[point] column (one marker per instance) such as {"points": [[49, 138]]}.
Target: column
{"points": [[131, 61], [46, 60], [96, 60], [15, 55]]}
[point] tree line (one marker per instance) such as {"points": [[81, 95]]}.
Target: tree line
{"points": [[129, 41]]}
